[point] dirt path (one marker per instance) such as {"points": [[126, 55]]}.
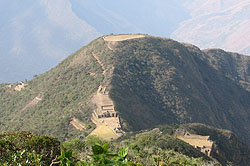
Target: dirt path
{"points": [[104, 116], [100, 63], [33, 103], [109, 46]]}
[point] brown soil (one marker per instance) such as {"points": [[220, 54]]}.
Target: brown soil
{"points": [[100, 63], [104, 132], [33, 102], [77, 124], [121, 37], [202, 142]]}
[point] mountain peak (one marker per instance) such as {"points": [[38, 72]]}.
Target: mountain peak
{"points": [[121, 37], [133, 82]]}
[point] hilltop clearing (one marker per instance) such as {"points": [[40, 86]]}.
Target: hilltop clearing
{"points": [[130, 83]]}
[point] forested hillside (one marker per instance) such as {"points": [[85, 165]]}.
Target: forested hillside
{"points": [[150, 81]]}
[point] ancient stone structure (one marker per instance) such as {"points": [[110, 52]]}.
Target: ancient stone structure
{"points": [[105, 107], [203, 143], [20, 86], [105, 111], [105, 114]]}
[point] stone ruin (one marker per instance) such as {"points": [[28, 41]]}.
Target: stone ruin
{"points": [[102, 90], [204, 149], [202, 143], [105, 111], [20, 86]]}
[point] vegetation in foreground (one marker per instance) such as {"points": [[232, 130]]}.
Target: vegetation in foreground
{"points": [[25, 148], [149, 147]]}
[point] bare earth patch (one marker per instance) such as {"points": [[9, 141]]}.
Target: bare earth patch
{"points": [[121, 37], [200, 142], [104, 132], [77, 124], [33, 103]]}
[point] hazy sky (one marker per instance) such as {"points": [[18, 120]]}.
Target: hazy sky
{"points": [[35, 35]]}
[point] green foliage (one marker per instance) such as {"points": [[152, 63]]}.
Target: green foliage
{"points": [[76, 146], [145, 147], [149, 143], [92, 140], [24, 147], [64, 91], [150, 78], [26, 158], [171, 158], [65, 157], [92, 154], [100, 157]]}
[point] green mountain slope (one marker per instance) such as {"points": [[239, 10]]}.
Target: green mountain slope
{"points": [[227, 147], [162, 81], [64, 90], [150, 80]]}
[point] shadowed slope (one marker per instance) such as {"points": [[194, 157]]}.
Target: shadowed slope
{"points": [[150, 80]]}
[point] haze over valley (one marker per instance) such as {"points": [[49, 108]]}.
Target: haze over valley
{"points": [[36, 35]]}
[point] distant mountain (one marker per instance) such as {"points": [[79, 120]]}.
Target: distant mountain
{"points": [[144, 80], [142, 16], [37, 35], [217, 24]]}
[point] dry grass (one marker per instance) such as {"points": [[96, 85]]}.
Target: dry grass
{"points": [[121, 37], [202, 142], [104, 132], [197, 141]]}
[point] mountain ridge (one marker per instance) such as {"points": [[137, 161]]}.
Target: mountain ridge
{"points": [[47, 31], [151, 81], [221, 24]]}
